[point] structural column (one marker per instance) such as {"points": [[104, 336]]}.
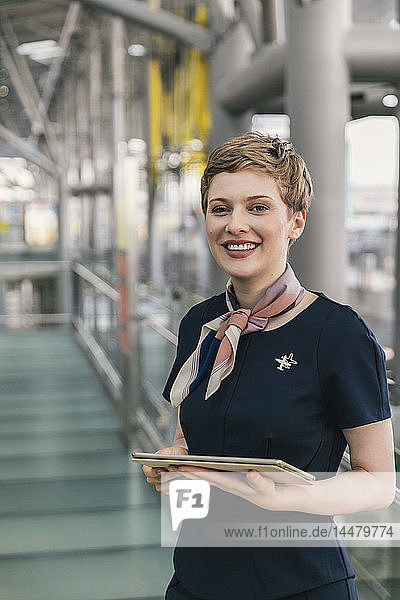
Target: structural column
{"points": [[64, 281], [232, 52], [125, 198], [317, 83], [396, 334]]}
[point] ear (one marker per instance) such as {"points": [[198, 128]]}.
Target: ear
{"points": [[298, 222]]}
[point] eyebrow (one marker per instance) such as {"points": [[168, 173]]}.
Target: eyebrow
{"points": [[248, 199]]}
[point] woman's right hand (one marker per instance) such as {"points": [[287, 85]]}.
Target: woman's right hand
{"points": [[153, 474]]}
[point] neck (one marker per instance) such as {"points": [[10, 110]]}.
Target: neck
{"points": [[249, 293]]}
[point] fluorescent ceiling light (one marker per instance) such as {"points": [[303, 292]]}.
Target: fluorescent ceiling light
{"points": [[136, 50], [390, 100], [42, 52]]}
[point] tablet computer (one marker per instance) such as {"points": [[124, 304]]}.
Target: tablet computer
{"points": [[279, 470]]}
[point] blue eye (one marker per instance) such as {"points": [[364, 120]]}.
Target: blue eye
{"points": [[219, 209], [260, 208]]}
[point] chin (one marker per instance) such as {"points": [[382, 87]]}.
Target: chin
{"points": [[241, 274]]}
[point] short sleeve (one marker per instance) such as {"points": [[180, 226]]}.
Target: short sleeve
{"points": [[188, 334], [352, 372]]}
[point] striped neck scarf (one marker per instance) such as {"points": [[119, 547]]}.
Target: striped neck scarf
{"points": [[215, 353]]}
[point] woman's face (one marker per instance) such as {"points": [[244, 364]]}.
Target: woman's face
{"points": [[249, 226]]}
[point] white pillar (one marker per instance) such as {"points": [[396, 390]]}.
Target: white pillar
{"points": [[317, 82], [396, 333], [230, 54]]}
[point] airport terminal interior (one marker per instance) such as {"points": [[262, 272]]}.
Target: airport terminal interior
{"points": [[108, 109]]}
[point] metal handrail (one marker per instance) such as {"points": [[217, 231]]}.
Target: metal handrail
{"points": [[100, 356], [97, 282], [37, 318], [156, 324]]}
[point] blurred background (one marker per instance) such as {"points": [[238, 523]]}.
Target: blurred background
{"points": [[108, 109]]}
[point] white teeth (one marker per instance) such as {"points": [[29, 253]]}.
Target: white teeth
{"points": [[241, 246]]}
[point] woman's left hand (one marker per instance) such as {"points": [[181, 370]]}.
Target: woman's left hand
{"points": [[252, 486]]}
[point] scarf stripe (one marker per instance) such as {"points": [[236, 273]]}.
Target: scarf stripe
{"points": [[210, 345], [216, 349]]}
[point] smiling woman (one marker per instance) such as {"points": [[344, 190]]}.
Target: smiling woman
{"points": [[256, 227], [269, 369]]}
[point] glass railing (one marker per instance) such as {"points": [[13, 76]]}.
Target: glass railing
{"points": [[95, 318]]}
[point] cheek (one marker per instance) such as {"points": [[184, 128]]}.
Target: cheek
{"points": [[210, 230], [285, 228]]}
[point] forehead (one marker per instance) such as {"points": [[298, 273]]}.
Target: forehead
{"points": [[248, 182]]}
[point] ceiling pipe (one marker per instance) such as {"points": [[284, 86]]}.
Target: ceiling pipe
{"points": [[70, 26], [270, 21], [251, 16], [158, 20], [260, 81], [372, 54]]}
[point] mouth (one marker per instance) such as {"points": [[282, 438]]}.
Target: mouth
{"points": [[240, 249]]}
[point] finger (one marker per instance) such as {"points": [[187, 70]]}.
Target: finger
{"points": [[194, 469], [151, 471], [153, 480], [258, 481], [167, 476], [165, 488]]}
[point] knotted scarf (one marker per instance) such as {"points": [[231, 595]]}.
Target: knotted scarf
{"points": [[216, 349]]}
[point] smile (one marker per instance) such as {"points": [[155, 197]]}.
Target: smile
{"points": [[240, 246], [236, 250]]}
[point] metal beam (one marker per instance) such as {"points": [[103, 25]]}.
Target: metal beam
{"points": [[118, 82], [38, 28], [372, 53], [24, 150], [158, 20], [250, 13], [20, 87], [25, 85], [261, 80], [269, 21], [51, 18], [70, 25]]}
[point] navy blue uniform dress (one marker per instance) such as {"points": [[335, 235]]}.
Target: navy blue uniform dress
{"points": [[297, 415]]}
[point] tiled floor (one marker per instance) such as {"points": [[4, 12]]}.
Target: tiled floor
{"points": [[77, 520]]}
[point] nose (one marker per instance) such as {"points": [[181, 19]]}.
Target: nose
{"points": [[237, 222]]}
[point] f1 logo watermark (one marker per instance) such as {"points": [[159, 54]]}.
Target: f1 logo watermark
{"points": [[188, 499]]}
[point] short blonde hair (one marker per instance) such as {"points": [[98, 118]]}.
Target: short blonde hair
{"points": [[265, 153]]}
